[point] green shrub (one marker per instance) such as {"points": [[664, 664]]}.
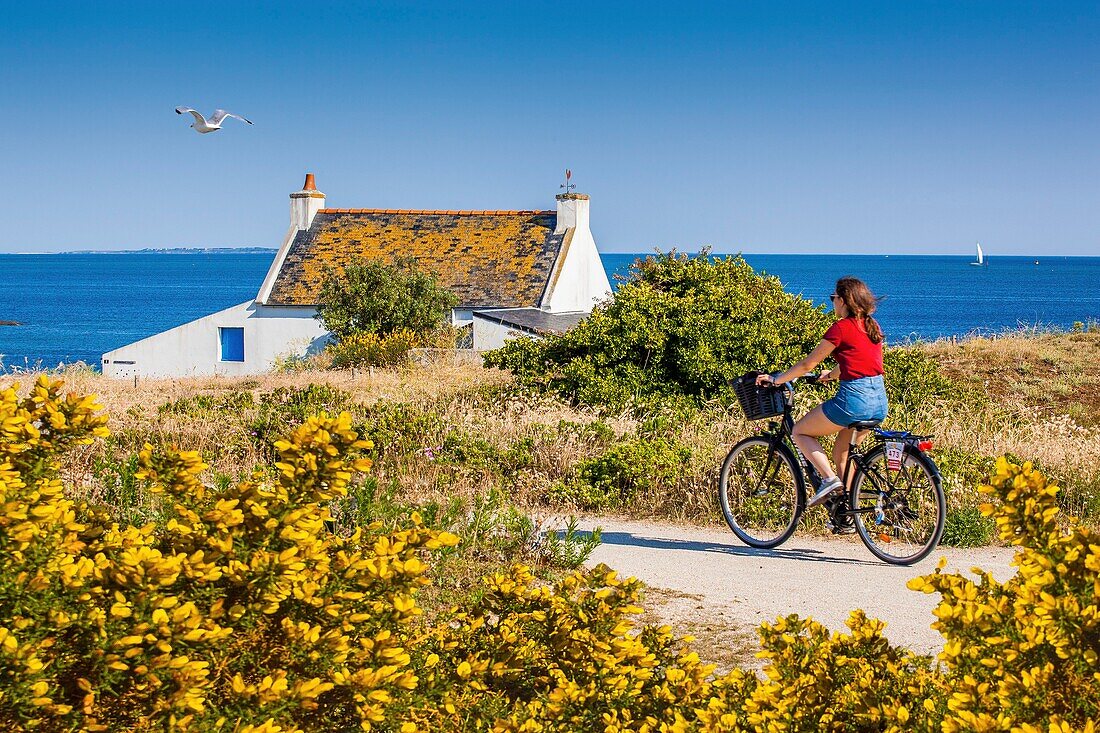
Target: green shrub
{"points": [[966, 527], [379, 297], [117, 489], [597, 431], [681, 327], [569, 548], [203, 404], [366, 348], [913, 379], [471, 451], [371, 501], [401, 429], [624, 472], [284, 407]]}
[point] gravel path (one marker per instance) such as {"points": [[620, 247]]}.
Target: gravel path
{"points": [[703, 580]]}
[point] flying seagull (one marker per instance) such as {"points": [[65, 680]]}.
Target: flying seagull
{"points": [[204, 125]]}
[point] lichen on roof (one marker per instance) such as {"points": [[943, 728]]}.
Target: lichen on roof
{"points": [[487, 258]]}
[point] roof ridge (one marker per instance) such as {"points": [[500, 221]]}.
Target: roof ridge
{"points": [[442, 212]]}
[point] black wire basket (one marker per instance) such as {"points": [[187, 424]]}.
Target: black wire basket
{"points": [[758, 402]]}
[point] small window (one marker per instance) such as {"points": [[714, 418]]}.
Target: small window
{"points": [[232, 343]]}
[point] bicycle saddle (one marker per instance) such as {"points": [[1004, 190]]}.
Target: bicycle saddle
{"points": [[865, 424]]}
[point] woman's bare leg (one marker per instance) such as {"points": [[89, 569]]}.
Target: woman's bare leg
{"points": [[842, 447], [812, 426], [840, 451]]}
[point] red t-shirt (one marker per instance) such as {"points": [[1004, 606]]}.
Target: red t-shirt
{"points": [[857, 355]]}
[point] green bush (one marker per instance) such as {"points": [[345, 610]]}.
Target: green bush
{"points": [[913, 379], [966, 527], [380, 297], [681, 327], [624, 472], [495, 530], [464, 449], [204, 404], [284, 407], [367, 349], [401, 429], [371, 501], [569, 548]]}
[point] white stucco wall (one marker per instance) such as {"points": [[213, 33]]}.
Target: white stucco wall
{"points": [[579, 280], [492, 335], [194, 349]]}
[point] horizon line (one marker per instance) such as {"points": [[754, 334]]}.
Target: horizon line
{"points": [[651, 252]]}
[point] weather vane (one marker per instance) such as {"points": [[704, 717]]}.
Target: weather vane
{"points": [[567, 185]]}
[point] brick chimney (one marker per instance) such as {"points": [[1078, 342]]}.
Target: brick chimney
{"points": [[572, 212], [305, 204]]}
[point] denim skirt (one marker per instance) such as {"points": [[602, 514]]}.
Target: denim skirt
{"points": [[857, 399]]}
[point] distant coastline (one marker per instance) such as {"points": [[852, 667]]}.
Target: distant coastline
{"points": [[172, 251]]}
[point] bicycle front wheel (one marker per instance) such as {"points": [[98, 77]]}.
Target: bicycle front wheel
{"points": [[899, 514], [761, 492]]}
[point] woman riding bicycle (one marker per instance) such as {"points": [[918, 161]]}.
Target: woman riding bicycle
{"points": [[855, 342]]}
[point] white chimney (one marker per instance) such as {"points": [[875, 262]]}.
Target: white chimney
{"points": [[578, 280], [572, 212], [305, 204]]}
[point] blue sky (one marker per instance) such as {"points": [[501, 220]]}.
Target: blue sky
{"points": [[759, 127]]}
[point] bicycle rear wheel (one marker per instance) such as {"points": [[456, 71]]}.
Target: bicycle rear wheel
{"points": [[899, 514], [761, 492]]}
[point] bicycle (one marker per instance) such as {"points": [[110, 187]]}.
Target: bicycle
{"points": [[895, 501]]}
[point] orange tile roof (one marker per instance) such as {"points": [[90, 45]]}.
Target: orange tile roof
{"points": [[487, 258]]}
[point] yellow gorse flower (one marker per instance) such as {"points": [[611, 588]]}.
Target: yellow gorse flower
{"points": [[242, 612]]}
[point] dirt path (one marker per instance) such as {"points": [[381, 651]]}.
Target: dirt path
{"points": [[703, 581]]}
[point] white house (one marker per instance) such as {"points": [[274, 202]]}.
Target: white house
{"points": [[514, 272]]}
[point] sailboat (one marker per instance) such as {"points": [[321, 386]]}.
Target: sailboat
{"points": [[981, 256]]}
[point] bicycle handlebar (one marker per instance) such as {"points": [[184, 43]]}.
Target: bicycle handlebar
{"points": [[789, 385]]}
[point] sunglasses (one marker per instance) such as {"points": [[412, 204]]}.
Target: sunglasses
{"points": [[834, 296]]}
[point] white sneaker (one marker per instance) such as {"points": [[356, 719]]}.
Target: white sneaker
{"points": [[828, 486]]}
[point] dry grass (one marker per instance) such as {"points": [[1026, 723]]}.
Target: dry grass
{"points": [[1047, 373], [1043, 404], [440, 378]]}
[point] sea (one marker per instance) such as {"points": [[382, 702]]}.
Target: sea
{"points": [[74, 307]]}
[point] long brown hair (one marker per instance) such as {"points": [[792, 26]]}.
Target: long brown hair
{"points": [[861, 303]]}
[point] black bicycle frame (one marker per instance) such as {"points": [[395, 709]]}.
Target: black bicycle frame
{"points": [[784, 431], [872, 474]]}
